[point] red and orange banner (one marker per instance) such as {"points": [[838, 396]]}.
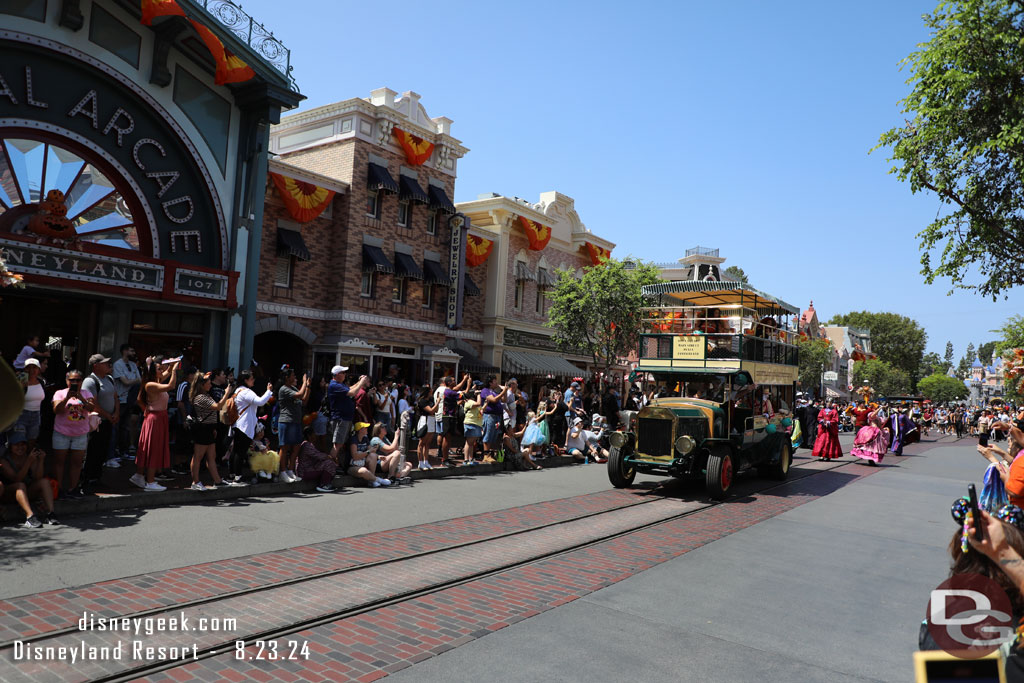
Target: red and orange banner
{"points": [[539, 235], [230, 69], [151, 9], [477, 250], [417, 150], [598, 255], [304, 201]]}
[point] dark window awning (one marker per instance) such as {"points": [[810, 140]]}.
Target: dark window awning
{"points": [[544, 278], [411, 190], [439, 200], [406, 266], [378, 178], [469, 287], [527, 363], [470, 363], [290, 242], [523, 272], [374, 260], [435, 274]]}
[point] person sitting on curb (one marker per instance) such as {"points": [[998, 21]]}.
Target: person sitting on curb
{"points": [[264, 463], [390, 462], [575, 444], [362, 463], [21, 474], [315, 465]]}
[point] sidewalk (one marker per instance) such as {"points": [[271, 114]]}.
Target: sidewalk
{"points": [[115, 492]]}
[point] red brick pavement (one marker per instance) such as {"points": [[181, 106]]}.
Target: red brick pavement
{"points": [[32, 615], [371, 645]]}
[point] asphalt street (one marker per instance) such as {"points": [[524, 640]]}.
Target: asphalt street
{"points": [[833, 590]]}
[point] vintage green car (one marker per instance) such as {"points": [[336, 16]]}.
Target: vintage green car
{"points": [[695, 438], [724, 359]]}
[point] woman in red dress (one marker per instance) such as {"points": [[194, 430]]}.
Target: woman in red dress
{"points": [[826, 446], [154, 449]]}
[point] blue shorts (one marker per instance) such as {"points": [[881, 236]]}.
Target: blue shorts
{"points": [[69, 443], [320, 425], [28, 422], [289, 433], [492, 429], [472, 431]]}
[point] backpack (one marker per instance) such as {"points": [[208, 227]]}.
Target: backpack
{"points": [[229, 413]]}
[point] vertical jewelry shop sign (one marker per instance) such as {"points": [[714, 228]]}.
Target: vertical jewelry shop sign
{"points": [[459, 225]]}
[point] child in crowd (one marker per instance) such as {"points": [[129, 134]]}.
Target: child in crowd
{"points": [[390, 460], [363, 463], [533, 440], [263, 461]]}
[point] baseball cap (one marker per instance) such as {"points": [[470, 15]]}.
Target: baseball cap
{"points": [[338, 368], [577, 421], [574, 385], [97, 358], [33, 361], [16, 436]]}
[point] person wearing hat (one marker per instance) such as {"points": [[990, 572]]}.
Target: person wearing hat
{"points": [[363, 463], [575, 444], [21, 479], [100, 384], [342, 407], [29, 420]]}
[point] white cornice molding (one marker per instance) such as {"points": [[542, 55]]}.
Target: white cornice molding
{"points": [[364, 319], [289, 171]]}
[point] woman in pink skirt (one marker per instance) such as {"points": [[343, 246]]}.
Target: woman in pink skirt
{"points": [[826, 446], [872, 441], [154, 450]]}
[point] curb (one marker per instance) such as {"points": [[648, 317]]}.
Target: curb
{"points": [[141, 500]]}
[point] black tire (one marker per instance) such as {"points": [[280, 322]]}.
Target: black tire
{"points": [[780, 469], [719, 474], [620, 474]]}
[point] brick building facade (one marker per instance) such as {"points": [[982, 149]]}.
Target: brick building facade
{"points": [[366, 284]]}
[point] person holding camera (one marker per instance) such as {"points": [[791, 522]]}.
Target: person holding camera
{"points": [[71, 407], [154, 450], [290, 399], [204, 429], [247, 403]]}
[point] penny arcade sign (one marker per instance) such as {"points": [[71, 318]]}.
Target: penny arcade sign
{"points": [[84, 110]]}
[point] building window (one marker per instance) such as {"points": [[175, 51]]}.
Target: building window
{"points": [[432, 223], [208, 111], [30, 9], [373, 203], [366, 286], [520, 290], [398, 291], [428, 295], [283, 271], [112, 35], [541, 277], [404, 213]]}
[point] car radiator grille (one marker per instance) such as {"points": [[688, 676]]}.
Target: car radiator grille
{"points": [[698, 429], [655, 436]]}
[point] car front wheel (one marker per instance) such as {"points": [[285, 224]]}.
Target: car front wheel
{"points": [[719, 475], [620, 473]]}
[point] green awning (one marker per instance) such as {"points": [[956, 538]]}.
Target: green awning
{"points": [[703, 293], [527, 363]]}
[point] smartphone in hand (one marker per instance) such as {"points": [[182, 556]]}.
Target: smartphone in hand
{"points": [[979, 526]]}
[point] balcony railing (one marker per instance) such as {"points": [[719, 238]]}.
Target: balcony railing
{"points": [[702, 251], [254, 34], [724, 347]]}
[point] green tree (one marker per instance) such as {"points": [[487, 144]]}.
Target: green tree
{"points": [[1011, 334], [949, 355], [985, 352], [896, 339], [885, 379], [930, 364], [942, 388], [963, 370], [736, 273], [814, 356], [963, 139], [599, 314]]}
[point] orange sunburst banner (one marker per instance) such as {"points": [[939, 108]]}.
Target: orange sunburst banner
{"points": [[477, 250], [230, 69], [304, 201], [151, 9], [598, 255], [539, 235], [417, 150]]}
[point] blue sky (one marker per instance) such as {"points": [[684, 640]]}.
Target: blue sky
{"points": [[742, 125]]}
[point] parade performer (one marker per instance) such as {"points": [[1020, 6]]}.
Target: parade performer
{"points": [[899, 427], [872, 441], [826, 444]]}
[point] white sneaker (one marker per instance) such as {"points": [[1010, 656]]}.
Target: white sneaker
{"points": [[113, 463], [153, 486], [285, 477], [383, 482], [138, 480], [198, 486], [425, 466], [295, 477]]}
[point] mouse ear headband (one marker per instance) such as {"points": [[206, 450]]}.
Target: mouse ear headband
{"points": [[1011, 514]]}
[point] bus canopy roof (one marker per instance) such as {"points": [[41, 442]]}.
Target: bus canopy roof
{"points": [[699, 293]]}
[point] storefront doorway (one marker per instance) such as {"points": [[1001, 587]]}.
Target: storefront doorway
{"points": [[272, 350], [67, 323]]}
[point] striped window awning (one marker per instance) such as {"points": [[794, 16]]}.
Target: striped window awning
{"points": [[374, 260], [527, 363]]}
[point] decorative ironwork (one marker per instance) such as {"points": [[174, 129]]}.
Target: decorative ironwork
{"points": [[254, 34]]}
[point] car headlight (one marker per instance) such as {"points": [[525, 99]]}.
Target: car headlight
{"points": [[685, 444], [617, 439]]}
